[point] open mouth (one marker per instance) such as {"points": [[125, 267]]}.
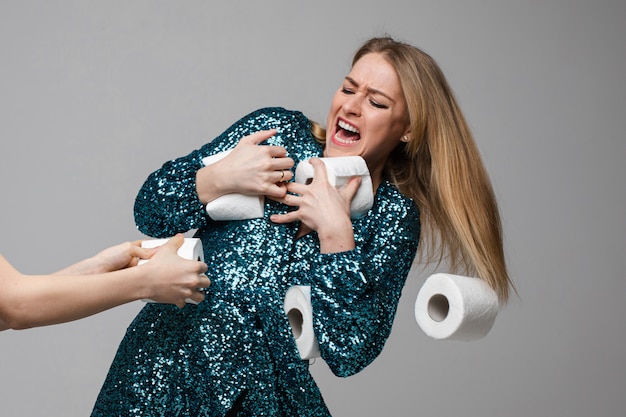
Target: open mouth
{"points": [[346, 134]]}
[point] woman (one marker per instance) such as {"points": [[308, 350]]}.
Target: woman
{"points": [[234, 353], [99, 283]]}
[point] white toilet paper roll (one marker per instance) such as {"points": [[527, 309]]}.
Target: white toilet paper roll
{"points": [[300, 314], [340, 169], [456, 307], [190, 249], [233, 206]]}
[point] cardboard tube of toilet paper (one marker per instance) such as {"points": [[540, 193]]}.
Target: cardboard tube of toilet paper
{"points": [[340, 169], [233, 206], [456, 307], [190, 249], [300, 314]]}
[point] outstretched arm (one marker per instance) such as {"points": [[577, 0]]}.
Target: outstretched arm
{"points": [[116, 257], [38, 300]]}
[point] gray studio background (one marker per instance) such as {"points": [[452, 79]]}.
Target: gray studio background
{"points": [[96, 95]]}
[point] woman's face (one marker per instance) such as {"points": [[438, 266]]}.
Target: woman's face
{"points": [[368, 114]]}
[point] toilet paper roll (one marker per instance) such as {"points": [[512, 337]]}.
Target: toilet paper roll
{"points": [[233, 206], [340, 169], [190, 249], [456, 307], [300, 314]]}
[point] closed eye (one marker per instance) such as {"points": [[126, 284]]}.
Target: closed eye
{"points": [[378, 105]]}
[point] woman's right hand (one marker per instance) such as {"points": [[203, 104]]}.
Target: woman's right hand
{"points": [[173, 279], [249, 169]]}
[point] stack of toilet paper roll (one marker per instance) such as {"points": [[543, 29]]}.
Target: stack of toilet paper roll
{"points": [[190, 249], [455, 307], [340, 169], [298, 308]]}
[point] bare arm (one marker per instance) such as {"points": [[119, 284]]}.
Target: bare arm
{"points": [[38, 300], [116, 257]]}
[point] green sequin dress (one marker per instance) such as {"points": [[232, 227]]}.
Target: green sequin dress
{"points": [[236, 347]]}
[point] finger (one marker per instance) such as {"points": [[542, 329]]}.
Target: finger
{"points": [[296, 188], [174, 243], [204, 282], [197, 296], [279, 152], [289, 217], [258, 137], [284, 175], [351, 188], [282, 162], [203, 268], [276, 191], [320, 174], [290, 199], [141, 253], [131, 247]]}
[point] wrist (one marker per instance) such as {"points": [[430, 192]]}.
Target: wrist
{"points": [[208, 184], [336, 237]]}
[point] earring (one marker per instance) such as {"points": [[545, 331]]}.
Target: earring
{"points": [[405, 138]]}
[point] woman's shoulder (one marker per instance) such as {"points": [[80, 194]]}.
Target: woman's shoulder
{"points": [[276, 115], [293, 130]]}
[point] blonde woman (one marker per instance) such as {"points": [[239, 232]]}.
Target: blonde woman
{"points": [[234, 353]]}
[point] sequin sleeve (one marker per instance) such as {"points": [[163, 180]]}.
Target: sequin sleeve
{"points": [[356, 293], [168, 202]]}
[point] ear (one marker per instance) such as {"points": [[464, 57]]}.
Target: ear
{"points": [[406, 137]]}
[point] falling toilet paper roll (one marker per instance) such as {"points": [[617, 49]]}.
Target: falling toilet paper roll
{"points": [[190, 249], [456, 307], [300, 314], [233, 206], [340, 169]]}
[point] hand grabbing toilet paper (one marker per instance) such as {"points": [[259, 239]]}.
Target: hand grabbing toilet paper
{"points": [[233, 206], [298, 308], [340, 169], [456, 307], [190, 249]]}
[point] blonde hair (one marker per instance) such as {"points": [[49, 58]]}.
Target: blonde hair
{"points": [[440, 168]]}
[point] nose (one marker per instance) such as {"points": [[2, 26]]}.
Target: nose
{"points": [[352, 104]]}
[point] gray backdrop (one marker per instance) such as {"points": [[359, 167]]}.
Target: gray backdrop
{"points": [[96, 95]]}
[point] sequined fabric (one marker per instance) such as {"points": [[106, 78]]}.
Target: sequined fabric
{"points": [[237, 343]]}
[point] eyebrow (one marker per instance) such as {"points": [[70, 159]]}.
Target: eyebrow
{"points": [[370, 90]]}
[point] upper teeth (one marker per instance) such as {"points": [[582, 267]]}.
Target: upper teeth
{"points": [[346, 126]]}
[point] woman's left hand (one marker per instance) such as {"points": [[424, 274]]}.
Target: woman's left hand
{"points": [[323, 208]]}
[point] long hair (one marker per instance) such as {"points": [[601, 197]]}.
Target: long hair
{"points": [[440, 168]]}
